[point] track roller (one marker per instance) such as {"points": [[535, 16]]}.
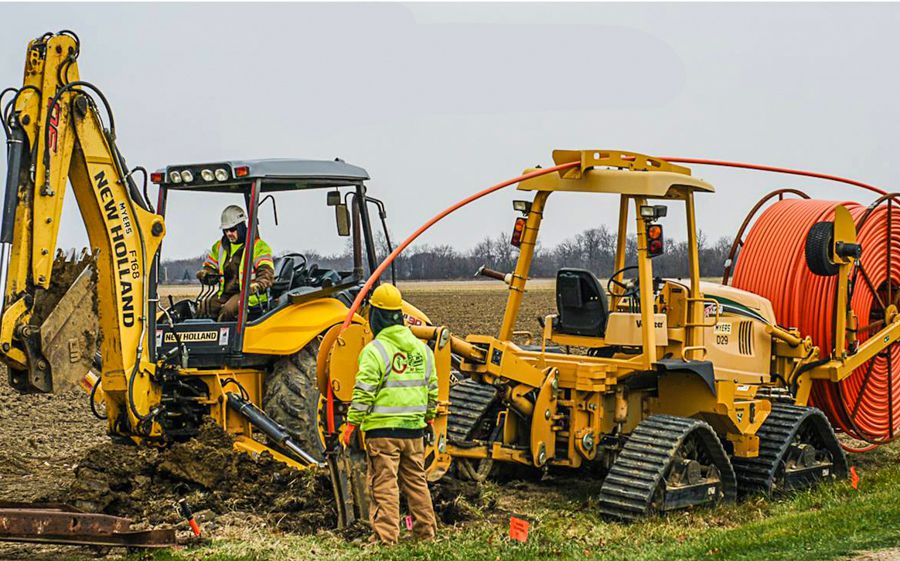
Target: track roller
{"points": [[668, 463], [797, 449]]}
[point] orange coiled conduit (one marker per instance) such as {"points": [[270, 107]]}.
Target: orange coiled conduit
{"points": [[772, 263]]}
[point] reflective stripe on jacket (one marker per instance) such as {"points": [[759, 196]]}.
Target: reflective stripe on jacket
{"points": [[396, 385], [262, 256]]}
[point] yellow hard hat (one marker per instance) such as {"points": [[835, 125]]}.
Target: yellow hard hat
{"points": [[387, 297]]}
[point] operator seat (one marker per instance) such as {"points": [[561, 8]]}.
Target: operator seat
{"points": [[284, 276], [580, 303]]}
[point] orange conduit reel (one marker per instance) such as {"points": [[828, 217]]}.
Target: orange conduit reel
{"points": [[771, 263], [833, 400]]}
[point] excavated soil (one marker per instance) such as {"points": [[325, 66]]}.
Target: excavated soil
{"points": [[64, 274], [53, 449], [143, 484]]}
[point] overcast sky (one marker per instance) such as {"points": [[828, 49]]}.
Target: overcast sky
{"points": [[437, 101]]}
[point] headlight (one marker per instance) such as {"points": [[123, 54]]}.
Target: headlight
{"points": [[187, 176], [222, 174], [207, 175], [175, 177]]}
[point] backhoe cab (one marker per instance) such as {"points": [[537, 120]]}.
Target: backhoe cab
{"points": [[301, 288]]}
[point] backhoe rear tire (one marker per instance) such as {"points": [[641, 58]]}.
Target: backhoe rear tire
{"points": [[291, 398]]}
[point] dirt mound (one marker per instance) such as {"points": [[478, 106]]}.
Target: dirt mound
{"points": [[144, 483], [458, 501], [225, 487]]}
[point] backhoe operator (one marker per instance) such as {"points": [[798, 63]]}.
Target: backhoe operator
{"points": [[394, 403], [224, 265]]}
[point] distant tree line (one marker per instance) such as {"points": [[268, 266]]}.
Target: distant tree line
{"points": [[593, 249]]}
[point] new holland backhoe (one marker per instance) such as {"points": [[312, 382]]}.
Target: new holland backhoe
{"points": [[682, 392], [164, 369]]}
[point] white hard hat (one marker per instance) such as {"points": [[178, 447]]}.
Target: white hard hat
{"points": [[232, 216]]}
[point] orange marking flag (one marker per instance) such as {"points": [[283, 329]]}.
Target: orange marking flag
{"points": [[854, 478], [518, 529]]}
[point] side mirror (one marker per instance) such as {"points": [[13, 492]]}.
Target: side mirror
{"points": [[342, 217], [334, 198]]}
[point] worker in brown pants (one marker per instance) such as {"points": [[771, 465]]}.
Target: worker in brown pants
{"points": [[394, 403]]}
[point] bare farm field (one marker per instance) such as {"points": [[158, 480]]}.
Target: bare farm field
{"points": [[52, 448]]}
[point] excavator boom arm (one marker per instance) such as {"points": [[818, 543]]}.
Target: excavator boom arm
{"points": [[58, 138]]}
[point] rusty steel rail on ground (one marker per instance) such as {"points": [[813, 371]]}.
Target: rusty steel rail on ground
{"points": [[54, 523]]}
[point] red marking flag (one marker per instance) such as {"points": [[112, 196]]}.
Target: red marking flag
{"points": [[518, 529]]}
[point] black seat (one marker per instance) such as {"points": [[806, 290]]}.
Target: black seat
{"points": [[284, 275], [581, 304]]}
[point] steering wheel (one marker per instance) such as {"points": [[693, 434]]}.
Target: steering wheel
{"points": [[300, 267], [311, 273], [628, 290]]}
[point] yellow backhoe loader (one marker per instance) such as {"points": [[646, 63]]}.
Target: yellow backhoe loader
{"points": [[164, 369]]}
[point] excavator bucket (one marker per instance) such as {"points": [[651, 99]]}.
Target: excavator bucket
{"points": [[62, 334]]}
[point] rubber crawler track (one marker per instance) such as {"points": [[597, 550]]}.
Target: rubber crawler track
{"points": [[762, 474], [628, 490], [469, 400]]}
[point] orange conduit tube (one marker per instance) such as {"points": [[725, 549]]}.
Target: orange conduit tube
{"points": [[866, 405], [376, 274], [773, 169]]}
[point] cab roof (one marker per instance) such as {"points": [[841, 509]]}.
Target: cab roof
{"points": [[617, 171], [276, 175]]}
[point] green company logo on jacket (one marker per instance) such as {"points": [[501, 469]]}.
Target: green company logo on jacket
{"points": [[396, 385]]}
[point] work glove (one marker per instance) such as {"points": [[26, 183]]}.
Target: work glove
{"points": [[208, 278], [428, 435], [254, 288], [347, 434]]}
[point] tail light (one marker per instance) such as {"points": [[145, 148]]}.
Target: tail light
{"points": [[655, 240], [518, 229]]}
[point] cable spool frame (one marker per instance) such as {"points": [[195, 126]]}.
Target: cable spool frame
{"points": [[889, 301], [837, 405]]}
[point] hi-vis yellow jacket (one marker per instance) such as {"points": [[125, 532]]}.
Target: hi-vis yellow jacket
{"points": [[397, 385], [217, 257]]}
